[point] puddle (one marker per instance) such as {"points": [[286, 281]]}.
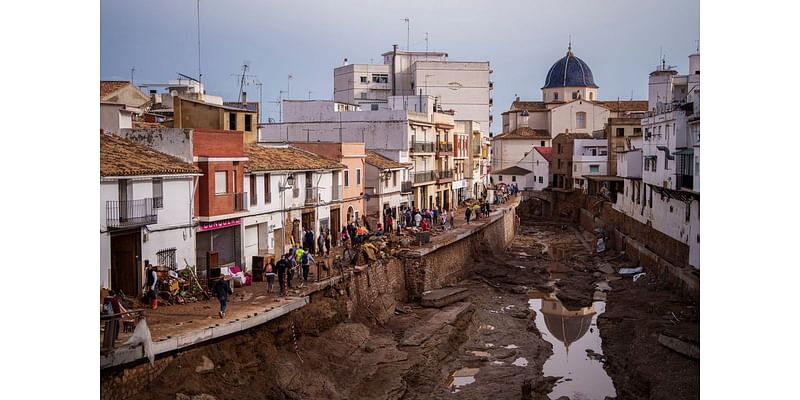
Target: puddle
{"points": [[511, 346], [461, 377], [520, 362], [485, 328], [574, 335]]}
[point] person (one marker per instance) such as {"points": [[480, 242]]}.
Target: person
{"points": [[444, 219], [389, 223], [476, 210], [425, 225], [453, 219], [290, 267], [468, 213], [269, 273], [110, 307], [222, 289], [309, 240], [417, 219], [150, 285], [327, 242], [320, 244], [379, 232], [345, 235], [280, 268], [435, 213], [305, 260]]}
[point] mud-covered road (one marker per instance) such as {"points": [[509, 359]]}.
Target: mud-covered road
{"points": [[543, 320]]}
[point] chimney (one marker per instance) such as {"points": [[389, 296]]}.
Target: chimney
{"points": [[244, 98]]}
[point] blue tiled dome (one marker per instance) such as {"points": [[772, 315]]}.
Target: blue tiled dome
{"points": [[569, 71]]}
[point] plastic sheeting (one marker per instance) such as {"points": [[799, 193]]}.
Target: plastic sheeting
{"points": [[141, 335]]}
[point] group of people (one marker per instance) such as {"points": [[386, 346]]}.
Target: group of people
{"points": [[479, 210], [424, 219]]}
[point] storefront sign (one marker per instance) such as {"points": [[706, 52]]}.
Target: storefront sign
{"points": [[210, 226]]}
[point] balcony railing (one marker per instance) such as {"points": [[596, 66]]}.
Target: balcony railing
{"points": [[476, 150], [685, 181], [444, 148], [336, 192], [422, 147], [131, 213], [405, 187], [240, 201], [443, 175], [312, 195], [421, 177]]}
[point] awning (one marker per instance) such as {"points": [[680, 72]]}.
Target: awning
{"points": [[685, 152]]}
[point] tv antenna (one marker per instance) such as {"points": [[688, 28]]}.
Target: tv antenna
{"points": [[199, 73], [132, 70], [242, 78]]}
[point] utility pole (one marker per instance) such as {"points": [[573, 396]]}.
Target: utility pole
{"points": [[132, 70], [260, 104], [199, 73]]}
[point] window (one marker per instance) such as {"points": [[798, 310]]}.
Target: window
{"points": [[555, 96], [221, 182], [542, 143], [248, 122], [380, 78], [575, 168], [358, 176], [580, 120], [167, 257], [637, 131], [347, 177], [559, 148], [620, 132], [540, 180], [650, 200], [559, 163], [253, 193], [373, 107], [363, 79], [267, 190], [647, 134], [363, 95], [232, 121], [594, 168], [591, 95], [394, 178], [500, 178], [513, 178], [574, 95], [158, 193]]}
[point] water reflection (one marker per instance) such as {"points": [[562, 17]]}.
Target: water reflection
{"points": [[461, 377], [572, 332]]}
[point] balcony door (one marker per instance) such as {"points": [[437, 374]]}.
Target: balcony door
{"points": [[122, 188]]}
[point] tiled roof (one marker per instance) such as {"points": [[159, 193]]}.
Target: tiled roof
{"points": [[262, 158], [546, 152], [624, 105], [120, 157], [529, 105], [572, 136], [108, 87], [524, 133], [145, 124], [382, 162], [515, 170]]}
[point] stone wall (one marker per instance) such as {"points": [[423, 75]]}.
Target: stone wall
{"points": [[122, 384]]}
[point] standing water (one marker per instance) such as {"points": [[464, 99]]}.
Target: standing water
{"points": [[573, 334]]}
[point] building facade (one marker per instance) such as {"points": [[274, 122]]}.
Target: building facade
{"points": [[388, 188]]}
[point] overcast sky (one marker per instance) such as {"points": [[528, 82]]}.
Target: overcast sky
{"points": [[620, 40]]}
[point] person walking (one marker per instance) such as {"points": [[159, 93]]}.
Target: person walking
{"points": [[222, 289], [291, 261], [280, 268], [468, 214], [327, 242], [305, 260], [309, 240], [269, 273]]}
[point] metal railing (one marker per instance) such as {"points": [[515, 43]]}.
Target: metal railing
{"points": [[112, 324], [446, 174], [240, 201], [124, 214], [444, 148], [422, 147], [312, 195], [427, 176], [405, 187], [685, 181]]}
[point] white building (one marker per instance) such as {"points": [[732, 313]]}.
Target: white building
{"points": [[387, 187], [290, 189], [569, 105], [409, 131], [589, 158], [538, 162], [146, 212], [668, 195]]}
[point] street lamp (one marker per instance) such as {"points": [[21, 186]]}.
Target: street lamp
{"points": [[287, 184]]}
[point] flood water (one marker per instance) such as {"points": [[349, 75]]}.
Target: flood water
{"points": [[462, 377], [572, 333]]}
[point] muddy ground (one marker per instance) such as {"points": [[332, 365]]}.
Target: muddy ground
{"points": [[486, 346]]}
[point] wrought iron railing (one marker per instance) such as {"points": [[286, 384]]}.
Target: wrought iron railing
{"points": [[312, 195], [405, 187], [476, 150], [427, 176], [125, 214], [444, 147], [446, 174], [422, 147]]}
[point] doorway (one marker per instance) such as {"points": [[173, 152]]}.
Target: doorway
{"points": [[336, 226], [125, 262]]}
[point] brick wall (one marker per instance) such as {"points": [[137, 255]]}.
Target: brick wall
{"points": [[212, 143], [123, 384], [208, 203]]}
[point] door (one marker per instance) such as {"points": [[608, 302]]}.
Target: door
{"points": [[280, 239], [336, 226], [125, 270]]}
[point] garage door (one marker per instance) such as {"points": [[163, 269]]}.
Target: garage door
{"points": [[250, 243]]}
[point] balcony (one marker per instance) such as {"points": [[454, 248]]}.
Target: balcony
{"points": [[405, 187], [422, 147], [476, 150], [444, 149], [312, 196], [685, 181], [131, 213], [444, 176], [240, 201], [336, 192], [422, 177]]}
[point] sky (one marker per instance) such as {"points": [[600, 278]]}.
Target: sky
{"points": [[620, 40]]}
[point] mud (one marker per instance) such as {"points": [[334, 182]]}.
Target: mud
{"points": [[487, 345]]}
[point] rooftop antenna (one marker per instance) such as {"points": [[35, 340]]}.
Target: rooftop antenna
{"points": [[260, 98], [698, 45], [408, 34], [242, 78], [132, 70], [199, 73], [309, 94], [426, 45], [289, 78]]}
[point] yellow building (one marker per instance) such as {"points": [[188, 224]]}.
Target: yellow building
{"points": [[188, 113]]}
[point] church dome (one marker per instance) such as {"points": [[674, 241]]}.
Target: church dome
{"points": [[569, 71]]}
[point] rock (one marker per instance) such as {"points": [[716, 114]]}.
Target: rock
{"points": [[606, 269], [207, 365], [519, 289], [603, 286]]}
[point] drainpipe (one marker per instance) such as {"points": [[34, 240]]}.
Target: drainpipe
{"points": [[394, 77]]}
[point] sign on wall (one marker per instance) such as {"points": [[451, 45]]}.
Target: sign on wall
{"points": [[210, 226]]}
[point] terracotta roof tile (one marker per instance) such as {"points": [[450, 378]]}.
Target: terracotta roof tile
{"points": [[382, 162], [514, 170], [529, 105], [120, 157], [624, 105], [108, 87], [145, 124], [262, 158], [546, 152], [524, 133]]}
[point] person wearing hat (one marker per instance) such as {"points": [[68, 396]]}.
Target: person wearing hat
{"points": [[222, 289]]}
